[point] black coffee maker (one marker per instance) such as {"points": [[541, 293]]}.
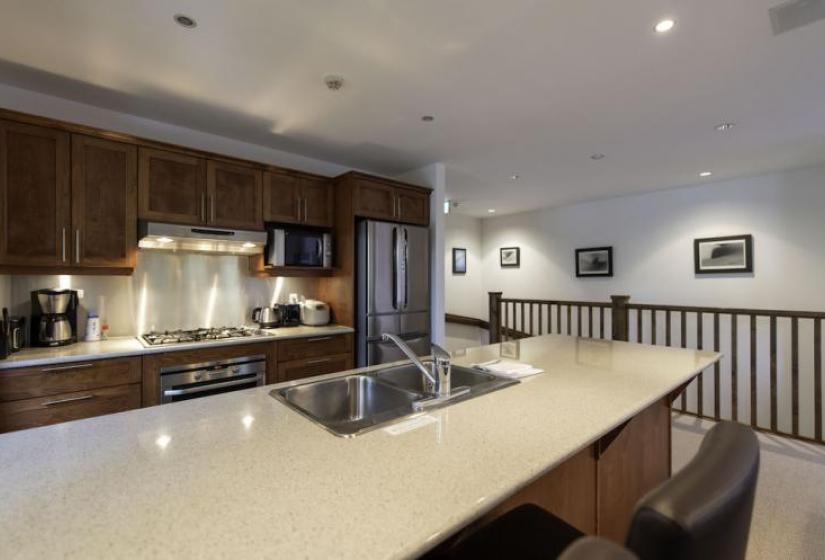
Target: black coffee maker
{"points": [[54, 317]]}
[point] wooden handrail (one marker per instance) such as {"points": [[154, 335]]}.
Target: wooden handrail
{"points": [[727, 310], [464, 320]]}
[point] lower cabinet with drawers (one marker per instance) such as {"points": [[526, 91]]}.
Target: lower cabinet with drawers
{"points": [[42, 395], [38, 396]]}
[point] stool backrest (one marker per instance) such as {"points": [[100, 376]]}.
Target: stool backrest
{"points": [[704, 511]]}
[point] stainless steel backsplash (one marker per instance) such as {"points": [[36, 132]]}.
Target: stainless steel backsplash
{"points": [[166, 291]]}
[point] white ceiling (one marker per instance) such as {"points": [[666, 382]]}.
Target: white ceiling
{"points": [[526, 87]]}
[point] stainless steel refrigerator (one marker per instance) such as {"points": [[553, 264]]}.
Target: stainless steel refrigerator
{"points": [[393, 290]]}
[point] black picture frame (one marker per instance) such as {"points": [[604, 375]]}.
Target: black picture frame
{"points": [[459, 266], [606, 273], [509, 263], [701, 266]]}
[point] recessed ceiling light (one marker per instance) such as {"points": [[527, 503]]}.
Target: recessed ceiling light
{"points": [[185, 21], [334, 82], [491, 211], [722, 127], [514, 177], [705, 174], [597, 156], [664, 25], [428, 118]]}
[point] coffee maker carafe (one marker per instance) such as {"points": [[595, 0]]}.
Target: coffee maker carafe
{"points": [[54, 317]]}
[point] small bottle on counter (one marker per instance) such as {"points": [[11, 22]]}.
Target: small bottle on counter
{"points": [[93, 329]]}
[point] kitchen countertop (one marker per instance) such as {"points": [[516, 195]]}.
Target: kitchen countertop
{"points": [[118, 347], [241, 475]]}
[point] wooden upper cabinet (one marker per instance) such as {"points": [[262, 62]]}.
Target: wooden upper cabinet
{"points": [[413, 206], [317, 198], [374, 199], [34, 195], [297, 199], [233, 196], [172, 187], [104, 203], [282, 198]]}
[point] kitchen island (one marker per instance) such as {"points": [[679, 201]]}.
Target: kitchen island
{"points": [[242, 475]]}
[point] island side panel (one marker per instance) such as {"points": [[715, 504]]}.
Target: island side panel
{"points": [[630, 463], [568, 491]]}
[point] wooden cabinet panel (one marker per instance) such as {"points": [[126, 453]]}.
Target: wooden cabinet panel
{"points": [[104, 203], [172, 187], [234, 196], [34, 195], [30, 413], [282, 198], [317, 198], [413, 206], [309, 367], [39, 381], [374, 199], [314, 346]]}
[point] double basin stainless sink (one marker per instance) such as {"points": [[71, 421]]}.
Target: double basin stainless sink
{"points": [[354, 404]]}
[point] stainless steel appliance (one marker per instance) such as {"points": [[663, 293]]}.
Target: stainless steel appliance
{"points": [[290, 314], [393, 290], [183, 382], [298, 247], [314, 313], [267, 317], [195, 239], [16, 334], [171, 338], [54, 317]]}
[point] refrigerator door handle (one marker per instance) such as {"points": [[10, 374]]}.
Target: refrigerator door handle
{"points": [[395, 268], [406, 257]]}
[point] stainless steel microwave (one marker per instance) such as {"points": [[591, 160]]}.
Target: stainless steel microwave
{"points": [[298, 247]]}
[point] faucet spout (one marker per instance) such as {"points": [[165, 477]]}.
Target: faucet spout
{"points": [[411, 355]]}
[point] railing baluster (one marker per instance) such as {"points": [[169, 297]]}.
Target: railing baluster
{"points": [[579, 321], [818, 379], [506, 321], [601, 323], [558, 318], [541, 326], [590, 321], [667, 327], [639, 325], [773, 374], [569, 319], [734, 366], [683, 333], [532, 324], [653, 327], [716, 370], [754, 396], [522, 319], [795, 376], [700, 393]]}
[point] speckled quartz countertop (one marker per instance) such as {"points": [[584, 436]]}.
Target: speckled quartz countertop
{"points": [[240, 475], [118, 347]]}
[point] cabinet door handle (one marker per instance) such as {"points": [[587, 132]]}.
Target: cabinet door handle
{"points": [[63, 244], [203, 207], [77, 245], [66, 368], [68, 400], [318, 361], [319, 339]]}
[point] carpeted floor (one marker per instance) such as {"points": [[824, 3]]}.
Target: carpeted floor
{"points": [[789, 513]]}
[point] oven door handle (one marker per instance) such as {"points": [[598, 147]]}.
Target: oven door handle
{"points": [[210, 387]]}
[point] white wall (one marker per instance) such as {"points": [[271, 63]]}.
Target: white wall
{"points": [[464, 292], [652, 237]]}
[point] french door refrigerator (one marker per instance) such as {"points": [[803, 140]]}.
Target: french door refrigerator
{"points": [[393, 290]]}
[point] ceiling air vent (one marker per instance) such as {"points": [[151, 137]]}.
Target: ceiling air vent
{"points": [[795, 13]]}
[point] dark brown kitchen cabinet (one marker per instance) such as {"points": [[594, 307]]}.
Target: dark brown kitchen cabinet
{"points": [[34, 195], [233, 196], [104, 203], [172, 187], [387, 200], [297, 199]]}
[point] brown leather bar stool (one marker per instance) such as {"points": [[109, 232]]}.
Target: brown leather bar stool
{"points": [[702, 512]]}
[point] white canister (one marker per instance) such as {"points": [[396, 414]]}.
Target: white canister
{"points": [[92, 327]]}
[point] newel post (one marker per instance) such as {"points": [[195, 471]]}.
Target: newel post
{"points": [[495, 317], [621, 317]]}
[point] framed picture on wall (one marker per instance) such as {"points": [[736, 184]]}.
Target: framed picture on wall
{"points": [[459, 261], [594, 262], [723, 255], [510, 257]]}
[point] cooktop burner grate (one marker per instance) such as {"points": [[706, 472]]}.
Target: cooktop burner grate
{"points": [[196, 335]]}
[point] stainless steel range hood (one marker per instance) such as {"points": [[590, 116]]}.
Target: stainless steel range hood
{"points": [[198, 239]]}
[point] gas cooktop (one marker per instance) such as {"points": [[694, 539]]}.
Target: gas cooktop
{"points": [[196, 335]]}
